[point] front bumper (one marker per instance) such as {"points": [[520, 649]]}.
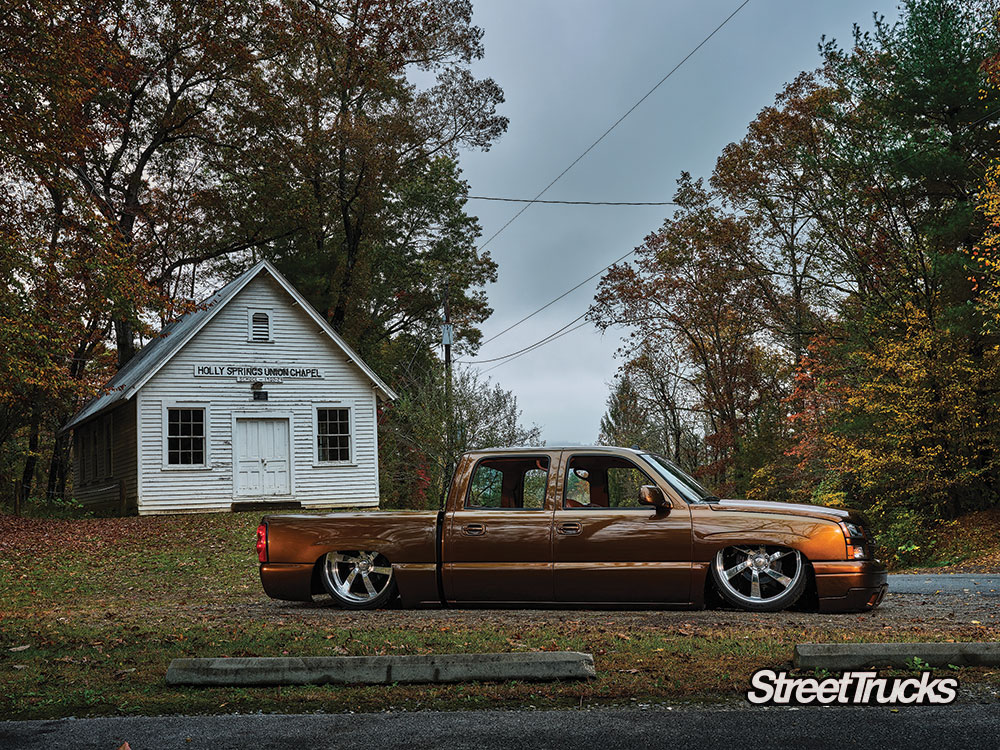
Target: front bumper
{"points": [[850, 585], [289, 581]]}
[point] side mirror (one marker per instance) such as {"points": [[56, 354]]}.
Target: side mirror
{"points": [[652, 495]]}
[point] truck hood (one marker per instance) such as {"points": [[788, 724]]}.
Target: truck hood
{"points": [[793, 509]]}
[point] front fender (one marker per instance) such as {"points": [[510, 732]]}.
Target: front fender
{"points": [[816, 538]]}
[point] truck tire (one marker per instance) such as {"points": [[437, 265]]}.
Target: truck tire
{"points": [[759, 578], [358, 579]]}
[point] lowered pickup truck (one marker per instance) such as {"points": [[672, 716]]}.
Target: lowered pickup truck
{"points": [[574, 527]]}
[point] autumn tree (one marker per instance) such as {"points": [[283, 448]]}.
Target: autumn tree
{"points": [[985, 256], [687, 292], [626, 421], [663, 381], [894, 404], [414, 453], [771, 179], [339, 134]]}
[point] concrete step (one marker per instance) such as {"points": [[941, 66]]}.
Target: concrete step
{"points": [[382, 670], [841, 656]]}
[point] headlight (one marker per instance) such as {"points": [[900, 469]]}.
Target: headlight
{"points": [[858, 545]]}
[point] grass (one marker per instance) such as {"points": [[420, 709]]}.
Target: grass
{"points": [[103, 605]]}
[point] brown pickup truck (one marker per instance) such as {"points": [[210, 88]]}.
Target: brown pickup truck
{"points": [[574, 527]]}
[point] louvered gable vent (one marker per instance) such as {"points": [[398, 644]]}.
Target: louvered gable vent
{"points": [[260, 327]]}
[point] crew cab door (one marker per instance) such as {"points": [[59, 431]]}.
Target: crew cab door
{"points": [[607, 547], [497, 544]]}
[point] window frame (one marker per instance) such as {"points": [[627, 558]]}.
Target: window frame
{"points": [[269, 312], [481, 508], [352, 426], [165, 436], [109, 446], [565, 484], [81, 442], [96, 450]]}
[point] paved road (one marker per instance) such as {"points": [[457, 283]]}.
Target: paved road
{"points": [[956, 727], [959, 583]]}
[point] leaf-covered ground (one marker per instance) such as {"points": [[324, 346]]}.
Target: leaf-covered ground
{"points": [[93, 611], [970, 544]]}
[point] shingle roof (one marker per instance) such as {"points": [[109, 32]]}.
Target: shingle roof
{"points": [[174, 335]]}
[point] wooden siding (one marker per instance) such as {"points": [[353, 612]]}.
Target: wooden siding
{"points": [[102, 493], [296, 341]]}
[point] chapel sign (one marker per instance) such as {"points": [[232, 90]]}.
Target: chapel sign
{"points": [[258, 373]]}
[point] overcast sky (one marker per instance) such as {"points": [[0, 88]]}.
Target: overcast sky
{"points": [[569, 69]]}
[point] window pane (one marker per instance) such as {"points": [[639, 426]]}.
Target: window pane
{"points": [[535, 482], [514, 483], [623, 487], [603, 482], [485, 491], [333, 434], [186, 436], [577, 489]]}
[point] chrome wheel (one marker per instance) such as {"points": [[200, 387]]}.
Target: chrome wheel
{"points": [[759, 577], [357, 578]]}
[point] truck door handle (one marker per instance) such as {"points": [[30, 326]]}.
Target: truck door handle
{"points": [[569, 528], [474, 529]]}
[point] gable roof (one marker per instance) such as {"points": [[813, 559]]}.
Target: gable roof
{"points": [[148, 360]]}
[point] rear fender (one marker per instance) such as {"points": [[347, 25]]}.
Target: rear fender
{"points": [[402, 537]]}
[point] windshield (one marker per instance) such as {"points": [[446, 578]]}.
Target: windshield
{"points": [[686, 485]]}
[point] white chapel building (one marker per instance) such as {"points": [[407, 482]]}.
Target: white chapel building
{"points": [[251, 399]]}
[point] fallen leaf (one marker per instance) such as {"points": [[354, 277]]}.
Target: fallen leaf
{"points": [[19, 648]]}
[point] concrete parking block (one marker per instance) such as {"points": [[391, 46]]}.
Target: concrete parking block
{"points": [[841, 656], [382, 670]]}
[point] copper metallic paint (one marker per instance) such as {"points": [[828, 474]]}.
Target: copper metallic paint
{"points": [[522, 556]]}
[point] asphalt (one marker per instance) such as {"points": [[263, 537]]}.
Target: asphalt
{"points": [[937, 583], [957, 727]]}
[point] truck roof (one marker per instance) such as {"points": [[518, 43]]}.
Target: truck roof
{"points": [[553, 448]]}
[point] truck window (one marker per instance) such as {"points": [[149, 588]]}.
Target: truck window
{"points": [[603, 482], [509, 483]]}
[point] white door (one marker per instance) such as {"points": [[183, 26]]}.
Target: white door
{"points": [[262, 457]]}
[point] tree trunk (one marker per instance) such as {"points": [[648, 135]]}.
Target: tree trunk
{"points": [[31, 461], [352, 249], [124, 340], [56, 486]]}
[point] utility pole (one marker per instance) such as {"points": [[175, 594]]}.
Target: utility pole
{"points": [[446, 339]]}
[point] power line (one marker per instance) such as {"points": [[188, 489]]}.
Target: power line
{"points": [[564, 294], [538, 346], [615, 125], [529, 201], [527, 348], [897, 163], [573, 203]]}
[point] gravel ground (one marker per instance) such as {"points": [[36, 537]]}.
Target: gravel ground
{"points": [[944, 611]]}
